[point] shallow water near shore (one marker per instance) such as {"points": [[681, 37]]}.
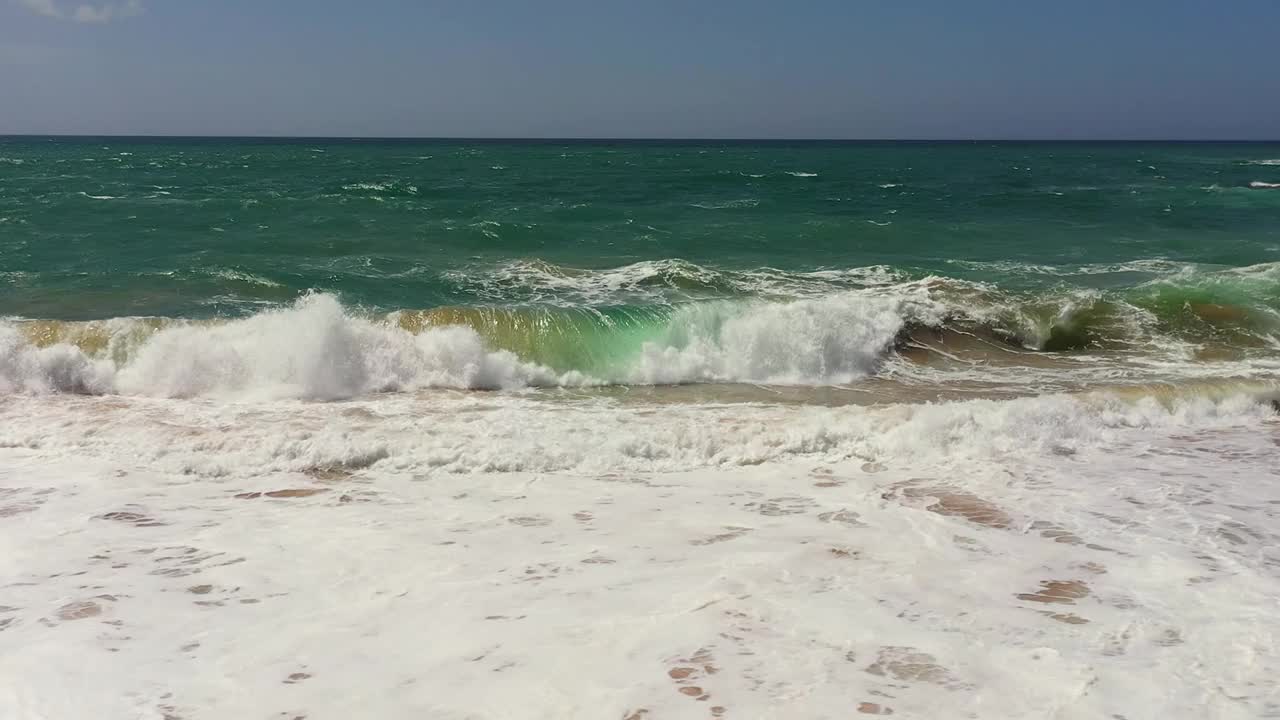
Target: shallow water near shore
{"points": [[467, 556]]}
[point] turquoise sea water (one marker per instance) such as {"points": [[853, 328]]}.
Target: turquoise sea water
{"points": [[829, 428], [579, 255], [558, 430]]}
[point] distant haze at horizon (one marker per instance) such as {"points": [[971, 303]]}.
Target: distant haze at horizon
{"points": [[574, 69]]}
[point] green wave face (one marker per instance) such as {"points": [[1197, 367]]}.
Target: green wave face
{"points": [[1234, 306], [587, 340]]}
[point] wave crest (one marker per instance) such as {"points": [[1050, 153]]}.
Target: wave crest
{"points": [[855, 324], [318, 350]]}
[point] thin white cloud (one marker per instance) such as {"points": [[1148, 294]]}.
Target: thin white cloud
{"points": [[99, 13], [42, 7]]}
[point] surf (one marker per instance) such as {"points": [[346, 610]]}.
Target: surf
{"points": [[927, 332]]}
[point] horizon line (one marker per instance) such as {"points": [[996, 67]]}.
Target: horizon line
{"points": [[619, 139]]}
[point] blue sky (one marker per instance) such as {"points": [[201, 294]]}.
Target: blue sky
{"points": [[656, 68]]}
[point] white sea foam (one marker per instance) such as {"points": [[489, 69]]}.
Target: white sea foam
{"points": [[244, 277], [388, 186], [515, 555], [1155, 266], [99, 197], [794, 173], [431, 432], [726, 204], [656, 281], [1260, 184], [1264, 271], [984, 558], [1275, 161]]}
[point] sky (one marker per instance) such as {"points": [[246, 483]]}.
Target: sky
{"points": [[882, 69]]}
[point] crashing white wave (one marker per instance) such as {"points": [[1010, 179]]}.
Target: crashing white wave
{"points": [[314, 350], [317, 350], [830, 340], [58, 368], [1258, 184]]}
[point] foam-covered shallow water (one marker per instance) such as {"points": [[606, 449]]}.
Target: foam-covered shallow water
{"points": [[463, 555]]}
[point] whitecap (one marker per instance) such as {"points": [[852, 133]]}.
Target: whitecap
{"points": [[728, 204], [244, 277]]}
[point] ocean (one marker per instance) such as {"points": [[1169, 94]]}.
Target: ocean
{"points": [[335, 428]]}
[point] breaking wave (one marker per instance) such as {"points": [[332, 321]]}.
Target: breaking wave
{"points": [[319, 350], [764, 327]]}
